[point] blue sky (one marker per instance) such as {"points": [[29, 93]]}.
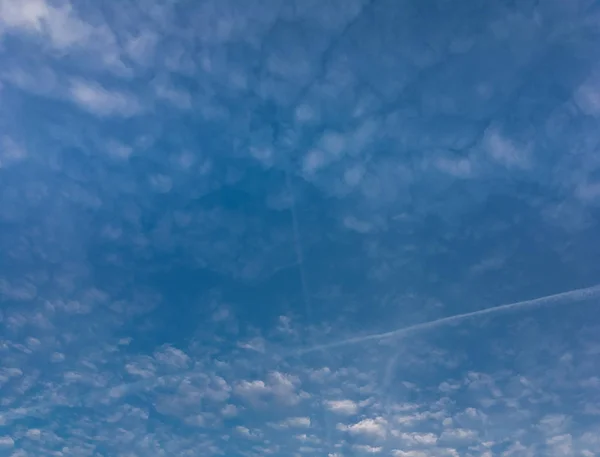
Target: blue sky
{"points": [[271, 227]]}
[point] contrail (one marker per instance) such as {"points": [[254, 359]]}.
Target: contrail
{"points": [[571, 296]]}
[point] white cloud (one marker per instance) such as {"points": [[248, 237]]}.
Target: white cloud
{"points": [[561, 445], [11, 152], [243, 430], [367, 449], [357, 225], [320, 374], [172, 357], [255, 344], [143, 369], [118, 150], [229, 411], [554, 423], [460, 168], [400, 453], [313, 161], [60, 27], [140, 48], [6, 442], [97, 100], [587, 97], [34, 433], [504, 151], [376, 427], [179, 98], [281, 386], [308, 438], [458, 434], [251, 389], [419, 439], [300, 422], [347, 407]]}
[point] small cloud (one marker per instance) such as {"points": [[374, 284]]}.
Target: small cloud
{"points": [[308, 438], [11, 152], [304, 113], [376, 427], [140, 48], [119, 150], [299, 422], [6, 442], [221, 314], [399, 453], [333, 143], [320, 375], [34, 434], [229, 411], [161, 183], [419, 439], [367, 449], [313, 161], [353, 175], [263, 154], [172, 357], [99, 101], [59, 27], [347, 407], [587, 97], [59, 24], [250, 389], [179, 98], [459, 168], [143, 369], [280, 386], [554, 423], [255, 344], [356, 225], [458, 435], [245, 431], [504, 151]]}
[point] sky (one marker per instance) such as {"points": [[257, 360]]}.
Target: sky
{"points": [[336, 228]]}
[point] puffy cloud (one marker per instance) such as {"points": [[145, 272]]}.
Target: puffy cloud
{"points": [[6, 442], [346, 407], [279, 386], [376, 427], [92, 97], [298, 422], [419, 439]]}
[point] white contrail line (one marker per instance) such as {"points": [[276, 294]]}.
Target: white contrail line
{"points": [[571, 296]]}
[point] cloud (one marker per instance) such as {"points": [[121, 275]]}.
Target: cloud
{"points": [[399, 453], [177, 97], [282, 387], [11, 152], [6, 442], [97, 100], [376, 427], [58, 25], [367, 449], [419, 439], [504, 151], [298, 422], [346, 407], [587, 96]]}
